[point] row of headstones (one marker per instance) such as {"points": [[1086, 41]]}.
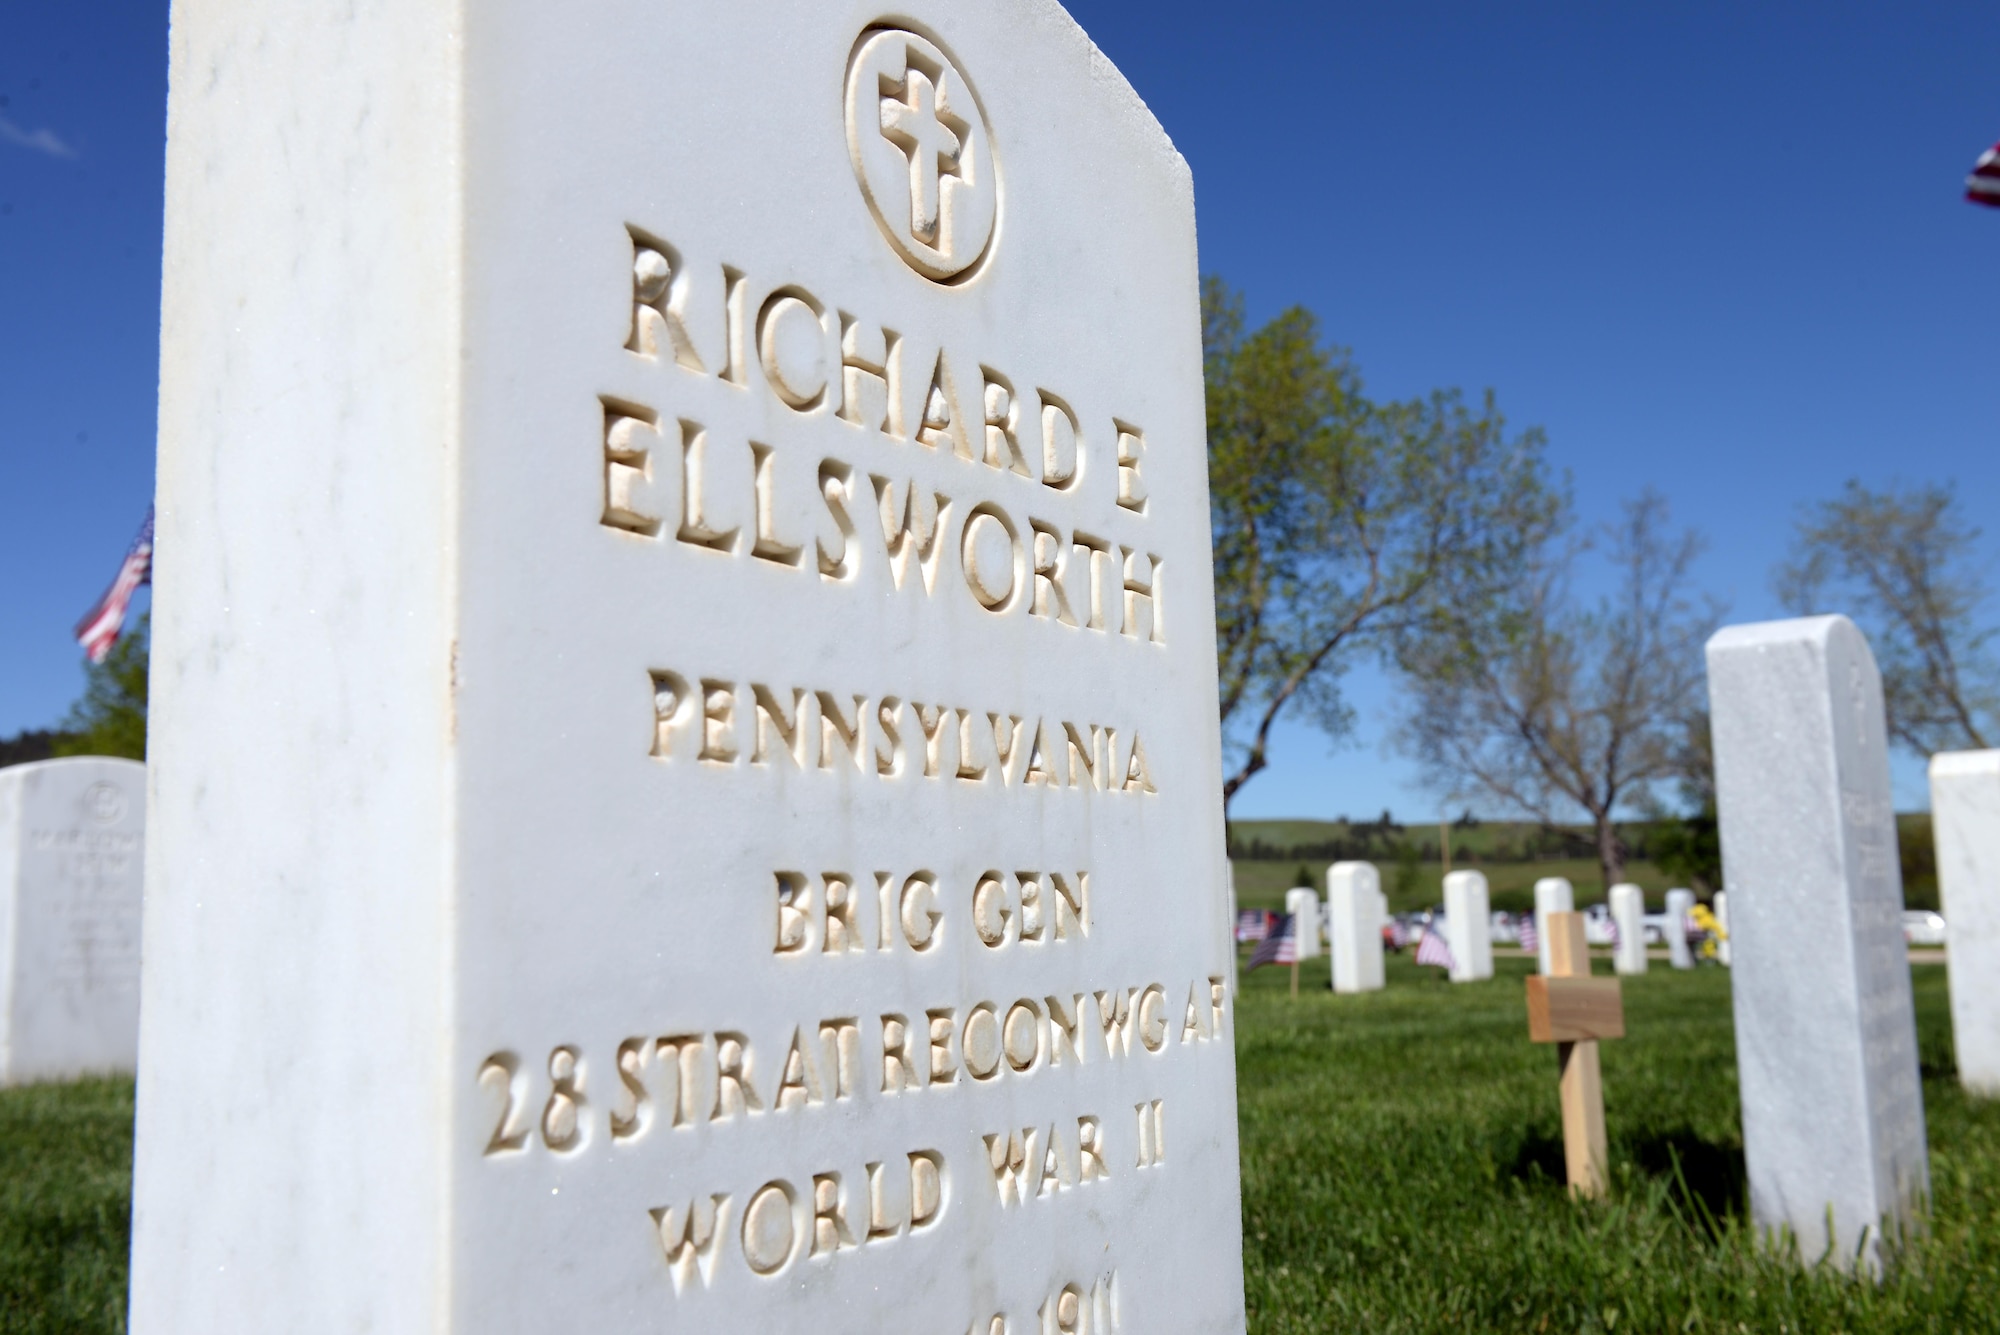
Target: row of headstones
{"points": [[1355, 912], [1832, 1100], [1628, 914]]}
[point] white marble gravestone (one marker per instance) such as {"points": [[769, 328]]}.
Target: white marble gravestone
{"points": [[685, 735], [1356, 910], [1826, 1044], [1680, 903], [1965, 818], [1628, 912], [1553, 894], [72, 856], [1468, 916], [1302, 902]]}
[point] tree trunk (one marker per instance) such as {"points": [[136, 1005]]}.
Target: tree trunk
{"points": [[1610, 852]]}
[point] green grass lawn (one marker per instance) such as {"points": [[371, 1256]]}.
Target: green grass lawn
{"points": [[1402, 1171], [65, 1206]]}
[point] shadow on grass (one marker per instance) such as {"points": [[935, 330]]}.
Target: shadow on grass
{"points": [[1937, 1057], [1539, 1162], [1700, 1172]]}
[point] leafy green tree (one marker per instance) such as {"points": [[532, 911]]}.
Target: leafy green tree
{"points": [[110, 717], [1341, 525], [1552, 706], [1689, 850], [1904, 565]]}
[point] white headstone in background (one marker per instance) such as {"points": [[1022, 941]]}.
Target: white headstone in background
{"points": [[1302, 902], [1680, 903], [685, 683], [1468, 926], [1965, 819], [72, 861], [1356, 910], [1553, 894], [1721, 912], [1628, 912], [1826, 1040]]}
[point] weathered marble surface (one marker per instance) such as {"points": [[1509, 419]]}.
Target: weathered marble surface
{"points": [[72, 858], [1833, 1114], [1553, 894], [683, 621], [1468, 925], [1356, 910], [1965, 819]]}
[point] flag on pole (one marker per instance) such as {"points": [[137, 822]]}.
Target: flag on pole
{"points": [[100, 626], [1983, 186], [1254, 925], [1531, 940], [1434, 949], [1280, 947]]}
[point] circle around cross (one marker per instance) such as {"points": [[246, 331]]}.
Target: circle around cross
{"points": [[921, 151]]}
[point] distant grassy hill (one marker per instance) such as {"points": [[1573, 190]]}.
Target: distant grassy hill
{"points": [[1270, 856]]}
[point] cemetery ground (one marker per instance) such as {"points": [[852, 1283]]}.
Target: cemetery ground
{"points": [[1402, 1171]]}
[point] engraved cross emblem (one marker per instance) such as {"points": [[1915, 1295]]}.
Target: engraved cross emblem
{"points": [[918, 120], [922, 152]]}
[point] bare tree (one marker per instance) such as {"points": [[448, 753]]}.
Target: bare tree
{"points": [[1902, 563], [1340, 524], [1554, 709]]}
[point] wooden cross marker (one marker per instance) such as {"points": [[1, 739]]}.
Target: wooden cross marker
{"points": [[1573, 1010]]}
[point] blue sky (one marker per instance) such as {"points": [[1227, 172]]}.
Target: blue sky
{"points": [[1715, 248]]}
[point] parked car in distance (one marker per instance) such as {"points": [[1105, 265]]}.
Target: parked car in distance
{"points": [[1921, 927]]}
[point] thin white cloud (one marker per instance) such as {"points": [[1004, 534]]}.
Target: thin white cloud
{"points": [[41, 141]]}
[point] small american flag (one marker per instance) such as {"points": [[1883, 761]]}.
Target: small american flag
{"points": [[98, 630], [1254, 925], [1983, 186], [1280, 947], [1531, 940], [1434, 949]]}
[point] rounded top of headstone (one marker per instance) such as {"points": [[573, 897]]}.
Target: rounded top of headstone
{"points": [[102, 792], [1954, 764], [116, 765], [1362, 874], [922, 151], [1818, 630]]}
